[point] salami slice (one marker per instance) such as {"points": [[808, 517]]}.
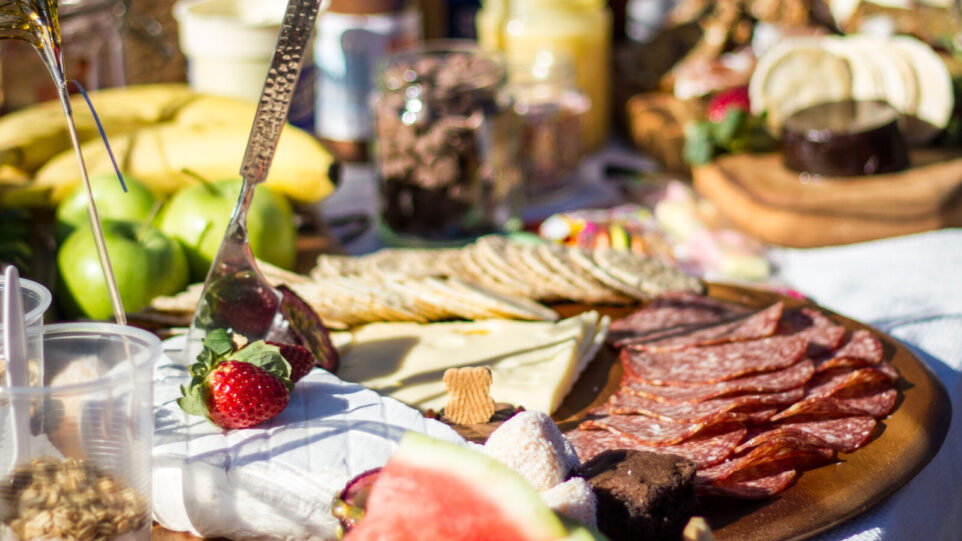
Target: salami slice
{"points": [[650, 430], [758, 325], [822, 334], [712, 364], [842, 434], [705, 449], [849, 380], [851, 394], [877, 405], [751, 489], [863, 348], [672, 313], [742, 407], [769, 382], [774, 453]]}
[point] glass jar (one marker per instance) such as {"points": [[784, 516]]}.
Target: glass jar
{"points": [[350, 38], [446, 145], [578, 29], [550, 108]]}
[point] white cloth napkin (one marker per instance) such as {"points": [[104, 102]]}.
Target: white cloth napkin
{"points": [[911, 288], [276, 480]]}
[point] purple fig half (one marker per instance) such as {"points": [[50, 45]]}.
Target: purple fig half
{"points": [[307, 329]]}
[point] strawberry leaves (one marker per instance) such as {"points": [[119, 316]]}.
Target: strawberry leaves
{"points": [[269, 358], [729, 126], [218, 348], [738, 131]]}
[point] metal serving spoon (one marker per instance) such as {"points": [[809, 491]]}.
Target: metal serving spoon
{"points": [[236, 295]]}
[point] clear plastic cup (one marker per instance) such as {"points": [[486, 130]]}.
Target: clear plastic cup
{"points": [[85, 470], [36, 301]]}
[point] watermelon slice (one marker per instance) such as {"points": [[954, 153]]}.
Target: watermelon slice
{"points": [[435, 491]]}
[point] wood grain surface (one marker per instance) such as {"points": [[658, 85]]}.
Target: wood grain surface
{"points": [[765, 199], [821, 498]]}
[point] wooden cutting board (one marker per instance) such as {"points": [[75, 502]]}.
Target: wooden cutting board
{"points": [[765, 199]]}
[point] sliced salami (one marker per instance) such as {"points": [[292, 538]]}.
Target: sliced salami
{"points": [[751, 489], [863, 348], [849, 380], [673, 312], [842, 434], [877, 406], [774, 453], [742, 407], [712, 364], [876, 400], [792, 377], [705, 449], [649, 430], [758, 325], [823, 335]]}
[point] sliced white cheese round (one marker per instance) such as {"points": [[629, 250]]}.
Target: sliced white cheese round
{"points": [[936, 99], [898, 78], [797, 73], [867, 81]]}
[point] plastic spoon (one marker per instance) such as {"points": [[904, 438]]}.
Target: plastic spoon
{"points": [[15, 352]]}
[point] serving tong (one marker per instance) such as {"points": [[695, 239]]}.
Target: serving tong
{"points": [[234, 281]]}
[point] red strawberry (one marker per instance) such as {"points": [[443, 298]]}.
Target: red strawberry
{"points": [[243, 395], [237, 389], [726, 100], [300, 359]]}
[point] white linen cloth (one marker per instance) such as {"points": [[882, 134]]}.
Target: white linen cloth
{"points": [[276, 480], [910, 288]]}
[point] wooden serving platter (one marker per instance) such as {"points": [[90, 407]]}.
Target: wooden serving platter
{"points": [[767, 200], [823, 497]]}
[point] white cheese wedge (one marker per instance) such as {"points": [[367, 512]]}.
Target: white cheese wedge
{"points": [[533, 364], [276, 480]]}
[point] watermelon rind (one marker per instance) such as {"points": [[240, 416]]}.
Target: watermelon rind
{"points": [[579, 532], [516, 499]]}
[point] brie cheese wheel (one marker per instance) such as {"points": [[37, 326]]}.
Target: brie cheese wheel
{"points": [[276, 480], [533, 364]]}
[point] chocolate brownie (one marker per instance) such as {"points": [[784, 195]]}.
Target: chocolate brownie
{"points": [[641, 495]]}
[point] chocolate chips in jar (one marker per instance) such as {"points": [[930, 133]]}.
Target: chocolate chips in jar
{"points": [[446, 145]]}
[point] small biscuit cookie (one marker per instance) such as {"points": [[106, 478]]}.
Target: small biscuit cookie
{"points": [[469, 400]]}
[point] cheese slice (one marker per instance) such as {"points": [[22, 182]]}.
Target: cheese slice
{"points": [[533, 364]]}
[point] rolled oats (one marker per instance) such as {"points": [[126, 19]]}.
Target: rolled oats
{"points": [[70, 500]]}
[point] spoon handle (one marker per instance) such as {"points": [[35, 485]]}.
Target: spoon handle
{"points": [[15, 355], [275, 101]]}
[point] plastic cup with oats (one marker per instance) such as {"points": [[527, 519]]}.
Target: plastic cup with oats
{"points": [[86, 472]]}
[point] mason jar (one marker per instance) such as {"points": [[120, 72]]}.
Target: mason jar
{"points": [[446, 144]]}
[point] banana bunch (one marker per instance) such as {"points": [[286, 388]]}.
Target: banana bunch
{"points": [[158, 134]]}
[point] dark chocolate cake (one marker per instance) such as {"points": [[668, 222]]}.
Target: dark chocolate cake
{"points": [[641, 495]]}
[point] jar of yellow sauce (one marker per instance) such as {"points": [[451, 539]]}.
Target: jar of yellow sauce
{"points": [[576, 29]]}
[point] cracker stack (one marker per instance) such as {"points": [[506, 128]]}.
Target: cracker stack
{"points": [[491, 278]]}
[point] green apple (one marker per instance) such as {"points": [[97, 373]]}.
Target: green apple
{"points": [[197, 216], [146, 264], [113, 203]]}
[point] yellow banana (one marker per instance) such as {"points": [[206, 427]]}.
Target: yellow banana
{"points": [[159, 155], [155, 131], [31, 136]]}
